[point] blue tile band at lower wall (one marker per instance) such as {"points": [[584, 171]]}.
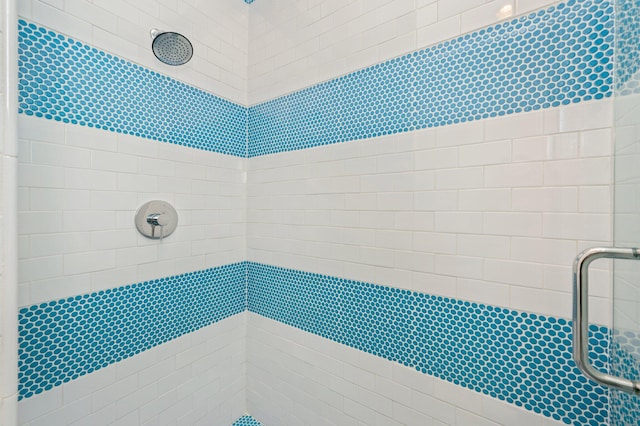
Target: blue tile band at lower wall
{"points": [[522, 358], [65, 80], [553, 57], [62, 340], [247, 421], [625, 356]]}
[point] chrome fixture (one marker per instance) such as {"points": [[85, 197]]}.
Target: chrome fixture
{"points": [[156, 219], [171, 48], [581, 315]]}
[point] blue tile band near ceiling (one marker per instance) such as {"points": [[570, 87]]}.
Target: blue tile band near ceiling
{"points": [[625, 356], [557, 56], [522, 358], [550, 58], [65, 80], [62, 340], [247, 421]]}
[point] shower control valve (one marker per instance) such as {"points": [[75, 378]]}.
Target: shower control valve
{"points": [[156, 219]]}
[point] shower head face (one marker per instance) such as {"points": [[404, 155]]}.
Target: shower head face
{"points": [[172, 48]]}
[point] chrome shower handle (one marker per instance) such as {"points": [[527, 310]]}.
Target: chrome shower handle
{"points": [[155, 220], [581, 315]]}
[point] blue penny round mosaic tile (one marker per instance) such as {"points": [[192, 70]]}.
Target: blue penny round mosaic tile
{"points": [[64, 80], [521, 358], [549, 58], [627, 47], [64, 339], [625, 408], [247, 421], [553, 57], [518, 357]]}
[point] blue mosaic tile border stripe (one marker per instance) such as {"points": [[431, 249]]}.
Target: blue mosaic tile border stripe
{"points": [[625, 408], [518, 357], [627, 46], [62, 340], [554, 57], [247, 421], [65, 80]]}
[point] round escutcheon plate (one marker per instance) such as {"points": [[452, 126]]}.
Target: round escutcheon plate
{"points": [[160, 212]]}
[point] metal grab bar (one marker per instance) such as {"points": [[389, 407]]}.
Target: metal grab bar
{"points": [[581, 315]]}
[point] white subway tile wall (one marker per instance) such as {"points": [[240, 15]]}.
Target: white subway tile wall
{"points": [[295, 377], [492, 211], [198, 378], [295, 44], [218, 31], [79, 189]]}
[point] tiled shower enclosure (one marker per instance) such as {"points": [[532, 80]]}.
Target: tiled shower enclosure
{"points": [[379, 205]]}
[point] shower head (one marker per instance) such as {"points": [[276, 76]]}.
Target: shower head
{"points": [[171, 48]]}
